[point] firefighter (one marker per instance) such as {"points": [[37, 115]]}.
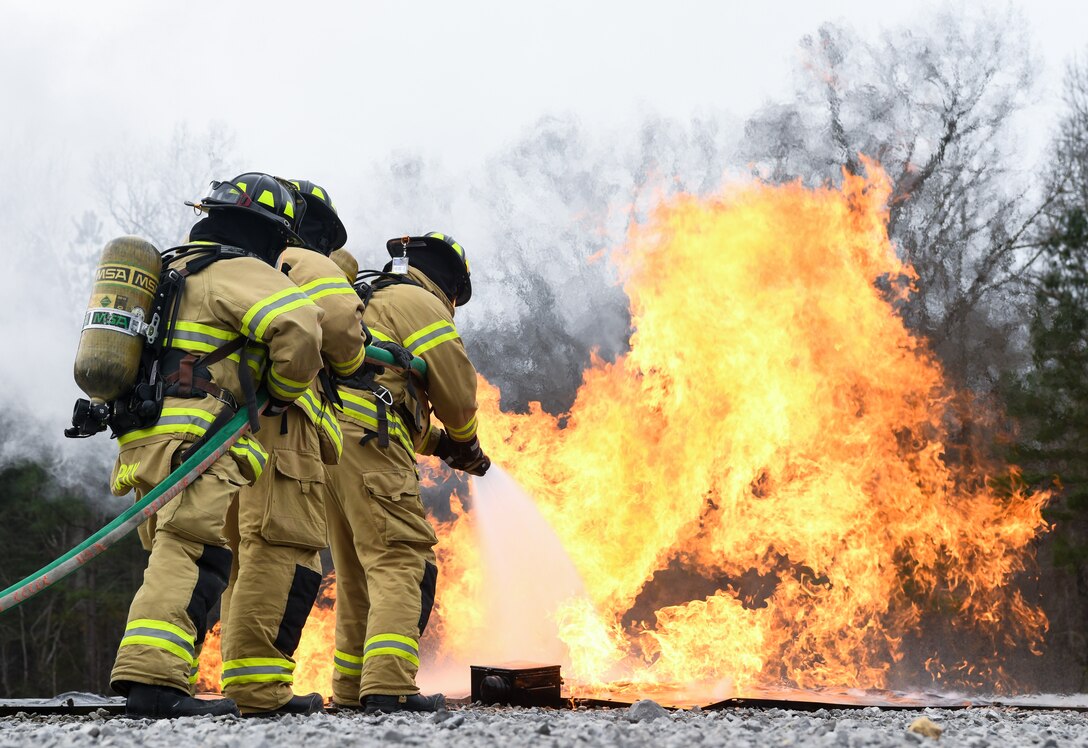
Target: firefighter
{"points": [[278, 526], [382, 543], [237, 318]]}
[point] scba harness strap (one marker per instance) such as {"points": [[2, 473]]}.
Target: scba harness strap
{"points": [[168, 371], [367, 283]]}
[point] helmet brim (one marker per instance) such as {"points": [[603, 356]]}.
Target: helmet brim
{"points": [[316, 207], [281, 224], [398, 245]]}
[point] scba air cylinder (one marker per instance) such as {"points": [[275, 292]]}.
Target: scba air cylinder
{"points": [[116, 324]]}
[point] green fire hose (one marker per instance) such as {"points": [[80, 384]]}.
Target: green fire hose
{"points": [[174, 484]]}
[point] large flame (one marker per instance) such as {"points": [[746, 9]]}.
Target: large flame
{"points": [[763, 490]]}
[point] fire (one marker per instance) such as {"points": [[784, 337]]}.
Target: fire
{"points": [[777, 435], [763, 490]]}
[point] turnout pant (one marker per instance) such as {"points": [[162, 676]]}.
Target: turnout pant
{"points": [[186, 572], [382, 548], [276, 529]]}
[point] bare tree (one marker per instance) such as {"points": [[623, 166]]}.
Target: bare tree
{"points": [[142, 188], [934, 106]]}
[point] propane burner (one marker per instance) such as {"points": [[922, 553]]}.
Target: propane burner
{"points": [[517, 684]]}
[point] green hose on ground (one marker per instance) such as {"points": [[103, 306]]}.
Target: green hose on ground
{"points": [[155, 499]]}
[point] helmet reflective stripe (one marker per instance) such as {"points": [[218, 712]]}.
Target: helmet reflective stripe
{"points": [[258, 193], [452, 243], [309, 188]]}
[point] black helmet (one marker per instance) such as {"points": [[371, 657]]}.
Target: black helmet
{"points": [[257, 194], [320, 227], [436, 244]]}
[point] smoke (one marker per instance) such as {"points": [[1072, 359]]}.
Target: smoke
{"points": [[537, 219]]}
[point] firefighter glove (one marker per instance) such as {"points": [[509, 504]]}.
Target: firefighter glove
{"points": [[467, 457], [275, 406], [402, 357]]}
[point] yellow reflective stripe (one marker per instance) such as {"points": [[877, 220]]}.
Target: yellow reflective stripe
{"points": [[464, 433], [132, 436], [394, 651], [158, 641], [170, 628], [347, 664], [424, 340], [162, 635], [366, 411], [322, 287], [378, 638], [348, 367], [267, 199], [253, 452], [215, 332], [322, 418], [194, 674], [420, 350], [379, 335], [259, 662], [260, 315], [173, 421], [356, 659], [192, 346], [284, 388], [425, 331], [322, 293], [258, 670]]}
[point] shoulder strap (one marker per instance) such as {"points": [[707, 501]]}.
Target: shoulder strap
{"points": [[369, 282]]}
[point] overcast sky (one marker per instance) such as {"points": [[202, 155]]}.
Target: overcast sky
{"points": [[316, 87]]}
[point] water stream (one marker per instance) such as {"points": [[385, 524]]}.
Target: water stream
{"points": [[527, 575]]}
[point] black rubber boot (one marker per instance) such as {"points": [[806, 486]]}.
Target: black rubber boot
{"points": [[415, 702], [161, 702], [311, 703]]}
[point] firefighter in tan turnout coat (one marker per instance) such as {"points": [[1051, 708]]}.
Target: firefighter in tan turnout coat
{"points": [[237, 303], [382, 543], [278, 525]]}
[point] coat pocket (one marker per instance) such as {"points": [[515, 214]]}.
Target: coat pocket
{"points": [[397, 510], [295, 505]]}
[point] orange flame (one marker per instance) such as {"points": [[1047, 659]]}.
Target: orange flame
{"points": [[313, 670], [777, 435], [774, 427]]}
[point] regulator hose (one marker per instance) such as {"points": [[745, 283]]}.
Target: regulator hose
{"points": [[175, 483]]}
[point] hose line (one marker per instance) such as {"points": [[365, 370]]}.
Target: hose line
{"points": [[175, 483]]}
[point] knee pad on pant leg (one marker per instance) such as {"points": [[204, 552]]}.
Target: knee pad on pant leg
{"points": [[213, 571], [300, 600], [426, 592]]}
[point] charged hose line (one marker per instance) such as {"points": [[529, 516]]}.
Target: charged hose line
{"points": [[175, 483]]}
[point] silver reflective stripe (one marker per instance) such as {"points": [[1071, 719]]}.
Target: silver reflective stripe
{"points": [[353, 666], [258, 319], [247, 447], [369, 413], [256, 670], [194, 420], [199, 337], [333, 284], [389, 644], [419, 343], [160, 634], [285, 386]]}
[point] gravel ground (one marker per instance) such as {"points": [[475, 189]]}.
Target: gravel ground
{"points": [[644, 723]]}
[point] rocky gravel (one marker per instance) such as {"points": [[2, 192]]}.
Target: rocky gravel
{"points": [[644, 723]]}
